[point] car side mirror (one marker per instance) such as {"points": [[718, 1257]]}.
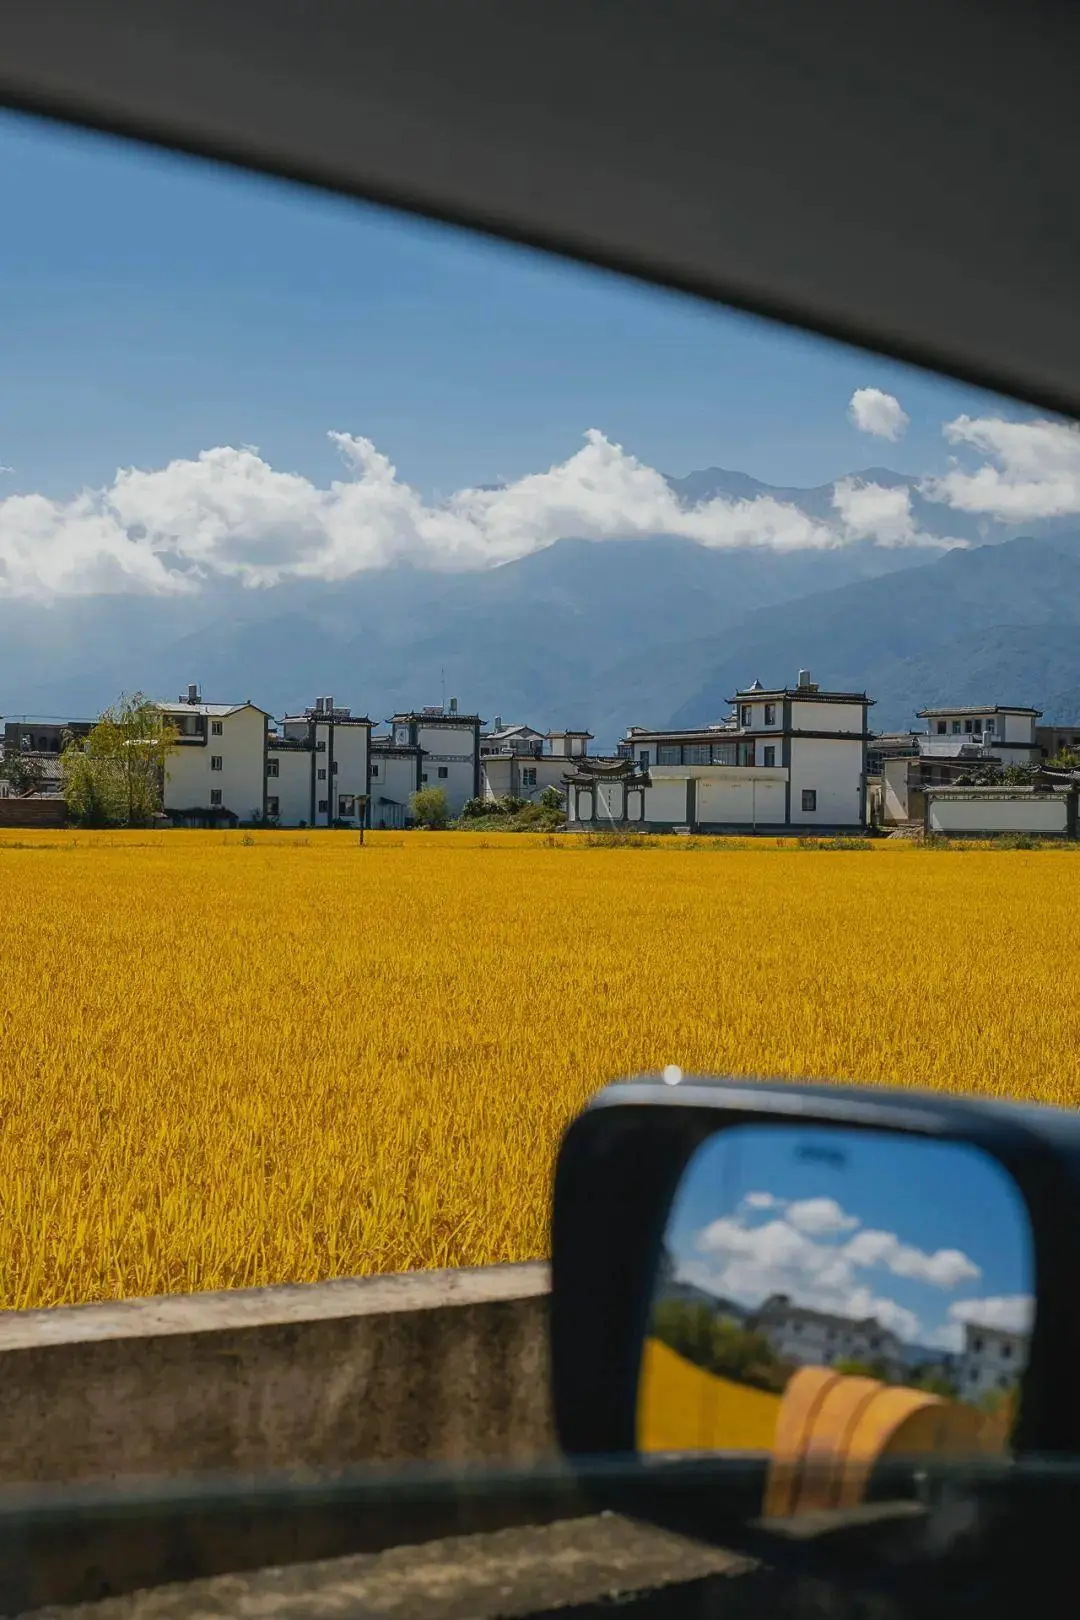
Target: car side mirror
{"points": [[837, 1321]]}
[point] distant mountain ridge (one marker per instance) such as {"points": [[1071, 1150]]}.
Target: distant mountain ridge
{"points": [[602, 634]]}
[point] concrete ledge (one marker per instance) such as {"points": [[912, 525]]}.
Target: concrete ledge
{"points": [[442, 1365]]}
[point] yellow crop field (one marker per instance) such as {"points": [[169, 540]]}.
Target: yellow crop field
{"points": [[232, 1060]]}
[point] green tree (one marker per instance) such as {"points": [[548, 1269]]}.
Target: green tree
{"points": [[116, 775], [551, 799], [719, 1345], [856, 1368], [429, 807], [24, 772]]}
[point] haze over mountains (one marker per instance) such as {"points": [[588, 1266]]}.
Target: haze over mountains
{"points": [[603, 632]]}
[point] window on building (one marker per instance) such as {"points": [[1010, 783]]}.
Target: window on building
{"points": [[968, 727], [643, 758], [991, 726], [334, 768], [977, 1345], [941, 728], [956, 728], [215, 796], [215, 762], [528, 777], [322, 773], [1006, 1352], [768, 755], [272, 767], [272, 804], [770, 714], [669, 754], [215, 728], [745, 714], [320, 748], [809, 798], [724, 754], [746, 753], [444, 772], [374, 769], [696, 754], [423, 776], [346, 805], [322, 807]]}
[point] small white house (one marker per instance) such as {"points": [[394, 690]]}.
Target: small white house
{"points": [[992, 1360], [521, 763], [1008, 731], [216, 773]]}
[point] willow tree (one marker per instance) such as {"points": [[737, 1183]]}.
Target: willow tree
{"points": [[115, 776]]}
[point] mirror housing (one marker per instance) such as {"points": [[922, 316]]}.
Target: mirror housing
{"points": [[619, 1168]]}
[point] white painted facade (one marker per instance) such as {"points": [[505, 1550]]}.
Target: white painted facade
{"points": [[336, 749], [451, 751], [1008, 730], [975, 812], [792, 758], [810, 1338], [521, 763], [395, 776], [991, 1361], [218, 765]]}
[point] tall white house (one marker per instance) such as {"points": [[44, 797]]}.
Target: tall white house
{"points": [[450, 742], [216, 774], [787, 759], [821, 1339], [991, 1361], [318, 768]]}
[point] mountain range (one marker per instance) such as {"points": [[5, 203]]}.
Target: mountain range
{"points": [[600, 633]]}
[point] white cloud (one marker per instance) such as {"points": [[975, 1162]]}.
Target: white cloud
{"points": [[228, 514], [945, 1268], [1034, 469], [1012, 1313], [820, 1216], [873, 512], [875, 412], [762, 1200]]}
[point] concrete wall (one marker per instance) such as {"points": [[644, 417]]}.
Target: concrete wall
{"points": [[833, 770], [189, 779], [291, 786], [741, 796], [445, 1366], [204, 1433], [1042, 814]]}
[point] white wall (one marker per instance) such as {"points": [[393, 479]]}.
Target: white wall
{"points": [[501, 774], [740, 796], [394, 778], [1025, 813], [450, 749], [834, 771], [350, 750], [665, 800], [808, 715], [1019, 728], [894, 777], [189, 779], [757, 713], [291, 786]]}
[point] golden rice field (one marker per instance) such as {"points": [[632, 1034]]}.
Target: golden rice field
{"points": [[229, 1062]]}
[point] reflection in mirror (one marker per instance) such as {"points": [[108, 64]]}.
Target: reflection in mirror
{"points": [[840, 1300]]}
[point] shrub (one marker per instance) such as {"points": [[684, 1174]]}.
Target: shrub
{"points": [[429, 807]]}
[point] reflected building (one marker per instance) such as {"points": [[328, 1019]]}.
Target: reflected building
{"points": [[991, 1361], [808, 1337]]}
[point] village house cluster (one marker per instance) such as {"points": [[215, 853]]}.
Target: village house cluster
{"points": [[785, 759]]}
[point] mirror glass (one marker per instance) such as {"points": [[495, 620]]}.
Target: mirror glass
{"points": [[837, 1299]]}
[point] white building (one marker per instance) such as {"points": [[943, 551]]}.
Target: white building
{"points": [[991, 1361], [820, 1339], [450, 742], [216, 773], [1007, 731], [396, 772], [518, 762], [318, 768], [790, 759]]}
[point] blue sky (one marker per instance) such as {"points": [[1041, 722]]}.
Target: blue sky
{"points": [[155, 307], [903, 1228]]}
